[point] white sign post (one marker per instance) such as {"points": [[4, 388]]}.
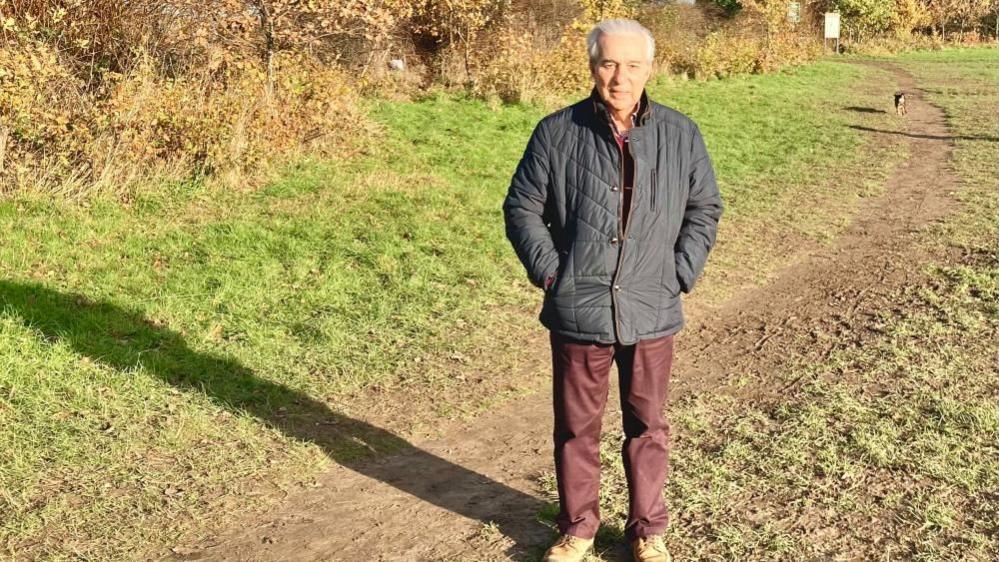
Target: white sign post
{"points": [[832, 29]]}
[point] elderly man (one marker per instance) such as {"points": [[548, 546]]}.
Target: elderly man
{"points": [[613, 210]]}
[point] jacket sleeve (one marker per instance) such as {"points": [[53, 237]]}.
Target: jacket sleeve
{"points": [[700, 218], [524, 211]]}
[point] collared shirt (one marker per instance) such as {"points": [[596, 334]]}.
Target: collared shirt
{"points": [[622, 137], [628, 162]]}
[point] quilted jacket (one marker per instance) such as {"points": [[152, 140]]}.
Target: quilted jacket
{"points": [[563, 217]]}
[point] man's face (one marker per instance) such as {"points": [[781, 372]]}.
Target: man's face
{"points": [[622, 69]]}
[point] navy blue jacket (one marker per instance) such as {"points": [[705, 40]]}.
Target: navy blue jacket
{"points": [[563, 216]]}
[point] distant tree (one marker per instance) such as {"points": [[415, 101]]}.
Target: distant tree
{"points": [[957, 12], [457, 23], [971, 12], [911, 15], [866, 17]]}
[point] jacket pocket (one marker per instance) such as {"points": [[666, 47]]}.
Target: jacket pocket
{"points": [[653, 191], [670, 282], [560, 271]]}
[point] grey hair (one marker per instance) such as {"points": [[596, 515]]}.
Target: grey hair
{"points": [[617, 27]]}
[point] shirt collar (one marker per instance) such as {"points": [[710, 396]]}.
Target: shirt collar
{"points": [[634, 122], [638, 116]]}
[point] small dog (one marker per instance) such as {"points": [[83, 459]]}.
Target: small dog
{"points": [[900, 103]]}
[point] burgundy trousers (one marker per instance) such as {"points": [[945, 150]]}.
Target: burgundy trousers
{"points": [[580, 387]]}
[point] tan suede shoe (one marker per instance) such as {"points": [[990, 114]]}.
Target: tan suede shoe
{"points": [[650, 549], [568, 549]]}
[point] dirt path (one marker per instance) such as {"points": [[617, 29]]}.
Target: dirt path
{"points": [[431, 501]]}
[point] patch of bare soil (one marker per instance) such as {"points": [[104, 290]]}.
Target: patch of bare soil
{"points": [[472, 495]]}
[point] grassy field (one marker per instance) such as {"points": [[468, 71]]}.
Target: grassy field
{"points": [[158, 356], [886, 452]]}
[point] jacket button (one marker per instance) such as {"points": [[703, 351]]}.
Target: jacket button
{"points": [[613, 241], [614, 188], [617, 287]]}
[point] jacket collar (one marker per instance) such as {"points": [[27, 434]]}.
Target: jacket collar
{"points": [[600, 108]]}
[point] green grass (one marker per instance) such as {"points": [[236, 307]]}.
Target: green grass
{"points": [[162, 359], [885, 452], [791, 168]]}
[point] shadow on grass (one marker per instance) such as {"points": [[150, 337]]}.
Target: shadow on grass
{"points": [[122, 339], [931, 137], [864, 109]]}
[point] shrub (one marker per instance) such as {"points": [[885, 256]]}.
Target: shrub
{"points": [[723, 55], [83, 115], [62, 136], [891, 44], [516, 65], [787, 49], [679, 31], [45, 132], [95, 95]]}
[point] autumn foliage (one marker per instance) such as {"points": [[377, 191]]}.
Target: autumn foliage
{"points": [[104, 95]]}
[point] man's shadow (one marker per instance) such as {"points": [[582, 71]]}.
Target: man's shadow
{"points": [[122, 339]]}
